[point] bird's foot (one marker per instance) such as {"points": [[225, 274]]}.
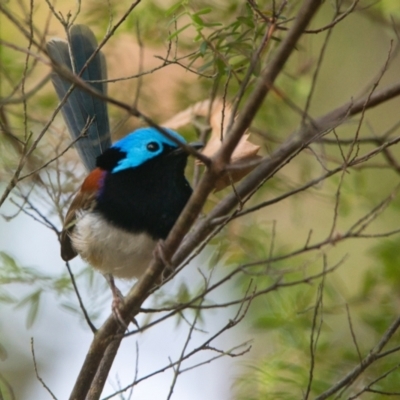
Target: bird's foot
{"points": [[117, 303], [160, 253]]}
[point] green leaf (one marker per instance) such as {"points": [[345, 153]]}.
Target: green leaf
{"points": [[197, 20], [3, 354], [177, 32], [33, 302], [203, 11], [237, 61], [6, 297], [9, 262], [247, 21], [203, 48], [173, 8]]}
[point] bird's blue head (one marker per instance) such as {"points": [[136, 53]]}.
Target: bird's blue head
{"points": [[138, 147]]}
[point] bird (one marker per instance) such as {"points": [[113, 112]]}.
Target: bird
{"points": [[135, 189], [127, 203]]}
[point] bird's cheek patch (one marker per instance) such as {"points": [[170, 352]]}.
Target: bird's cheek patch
{"points": [[125, 164], [111, 158], [135, 158]]}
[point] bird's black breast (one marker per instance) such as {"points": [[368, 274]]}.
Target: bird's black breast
{"points": [[148, 198]]}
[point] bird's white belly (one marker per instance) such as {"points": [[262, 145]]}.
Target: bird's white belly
{"points": [[111, 249]]}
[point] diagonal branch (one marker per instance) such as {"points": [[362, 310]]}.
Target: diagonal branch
{"points": [[364, 364], [295, 143]]}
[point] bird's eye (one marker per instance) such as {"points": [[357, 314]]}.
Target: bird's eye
{"points": [[153, 146]]}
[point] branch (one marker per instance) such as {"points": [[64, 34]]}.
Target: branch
{"points": [[364, 364], [294, 144], [139, 292]]}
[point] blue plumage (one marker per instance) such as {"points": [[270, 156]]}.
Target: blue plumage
{"points": [[85, 115], [143, 145], [136, 189]]}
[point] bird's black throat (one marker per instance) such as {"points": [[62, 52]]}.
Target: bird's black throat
{"points": [[148, 198]]}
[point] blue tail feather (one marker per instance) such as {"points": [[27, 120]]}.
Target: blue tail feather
{"points": [[82, 110]]}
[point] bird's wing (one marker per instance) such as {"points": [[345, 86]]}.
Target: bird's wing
{"points": [[85, 115], [84, 201]]}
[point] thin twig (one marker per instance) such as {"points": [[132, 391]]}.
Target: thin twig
{"points": [[78, 295], [37, 372]]}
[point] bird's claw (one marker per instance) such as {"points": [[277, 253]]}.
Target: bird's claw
{"points": [[117, 303], [160, 253]]}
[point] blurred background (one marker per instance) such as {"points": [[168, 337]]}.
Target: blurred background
{"points": [[209, 45]]}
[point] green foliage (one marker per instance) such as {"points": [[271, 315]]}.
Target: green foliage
{"points": [[386, 9], [388, 255], [286, 319], [295, 308], [12, 272], [39, 285], [5, 391]]}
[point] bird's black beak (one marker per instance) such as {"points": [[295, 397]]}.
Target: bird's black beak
{"points": [[181, 150], [197, 145]]}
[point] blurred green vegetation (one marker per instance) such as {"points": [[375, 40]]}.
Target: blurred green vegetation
{"points": [[344, 312]]}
